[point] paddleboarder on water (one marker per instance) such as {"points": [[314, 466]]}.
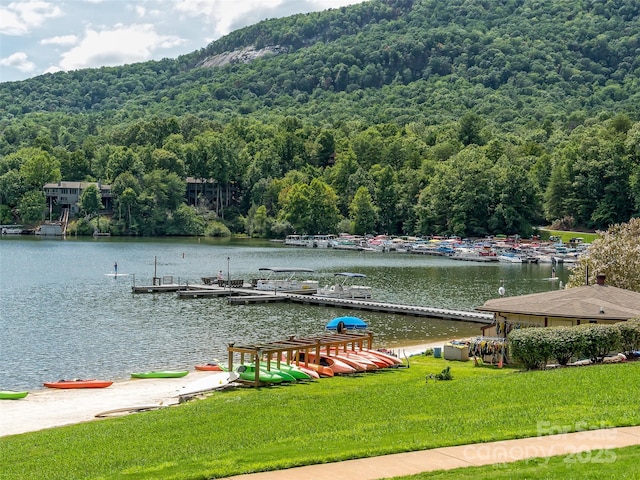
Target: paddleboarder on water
{"points": [[115, 268]]}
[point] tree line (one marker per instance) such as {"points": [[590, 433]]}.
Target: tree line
{"points": [[396, 116]]}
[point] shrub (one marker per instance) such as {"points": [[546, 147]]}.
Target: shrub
{"points": [[566, 342], [218, 229], [531, 346], [80, 227], [629, 332], [599, 339]]}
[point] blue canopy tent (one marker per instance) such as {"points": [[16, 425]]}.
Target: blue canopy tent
{"points": [[346, 323]]}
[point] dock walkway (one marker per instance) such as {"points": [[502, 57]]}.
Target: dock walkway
{"points": [[247, 295]]}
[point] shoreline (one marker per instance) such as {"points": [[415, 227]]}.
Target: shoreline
{"points": [[48, 408]]}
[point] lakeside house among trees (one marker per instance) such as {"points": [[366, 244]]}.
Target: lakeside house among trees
{"points": [[62, 195]]}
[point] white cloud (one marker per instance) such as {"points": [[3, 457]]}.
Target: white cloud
{"points": [[64, 40], [18, 60], [225, 15], [117, 46], [20, 18]]}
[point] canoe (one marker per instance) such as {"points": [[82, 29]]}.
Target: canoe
{"points": [[211, 367], [248, 373], [78, 383], [161, 374], [12, 395]]}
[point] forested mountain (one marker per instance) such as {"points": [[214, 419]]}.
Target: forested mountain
{"points": [[397, 116]]}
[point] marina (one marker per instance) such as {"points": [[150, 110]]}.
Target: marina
{"points": [[61, 317]]}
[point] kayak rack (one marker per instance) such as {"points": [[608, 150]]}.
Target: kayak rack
{"points": [[283, 351]]}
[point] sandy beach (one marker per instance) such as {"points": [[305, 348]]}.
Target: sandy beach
{"points": [[47, 408]]}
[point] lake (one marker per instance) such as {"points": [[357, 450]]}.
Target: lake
{"points": [[62, 317]]}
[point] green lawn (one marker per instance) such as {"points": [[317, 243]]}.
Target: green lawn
{"points": [[247, 430], [621, 464], [566, 236]]}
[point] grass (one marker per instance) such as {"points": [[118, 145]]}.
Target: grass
{"points": [[587, 237], [247, 430], [620, 464]]}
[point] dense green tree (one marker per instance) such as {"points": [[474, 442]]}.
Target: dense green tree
{"points": [[386, 198], [32, 207], [91, 200], [363, 212], [471, 129], [11, 188], [185, 221], [38, 167]]}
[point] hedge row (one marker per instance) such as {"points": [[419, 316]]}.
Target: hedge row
{"points": [[535, 347]]}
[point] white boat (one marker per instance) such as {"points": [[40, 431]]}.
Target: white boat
{"points": [[344, 287], [296, 240], [320, 241], [284, 279], [508, 257]]}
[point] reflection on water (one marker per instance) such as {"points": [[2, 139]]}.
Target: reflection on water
{"points": [[61, 317]]}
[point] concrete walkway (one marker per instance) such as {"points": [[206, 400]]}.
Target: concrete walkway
{"points": [[475, 455]]}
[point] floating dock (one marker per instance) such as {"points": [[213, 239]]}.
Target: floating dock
{"points": [[247, 295], [414, 310]]}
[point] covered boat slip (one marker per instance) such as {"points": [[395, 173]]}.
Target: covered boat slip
{"points": [[285, 351]]}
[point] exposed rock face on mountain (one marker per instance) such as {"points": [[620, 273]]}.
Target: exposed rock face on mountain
{"points": [[244, 55]]}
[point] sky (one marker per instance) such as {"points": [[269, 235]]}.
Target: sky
{"points": [[46, 36]]}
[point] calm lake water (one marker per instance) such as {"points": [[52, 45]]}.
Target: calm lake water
{"points": [[62, 317]]}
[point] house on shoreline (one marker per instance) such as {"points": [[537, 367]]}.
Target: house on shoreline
{"points": [[598, 303]]}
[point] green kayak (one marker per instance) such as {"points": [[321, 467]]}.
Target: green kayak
{"points": [[291, 370], [248, 373], [161, 374], [11, 395]]}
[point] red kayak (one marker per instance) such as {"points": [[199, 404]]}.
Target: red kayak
{"points": [[77, 383], [210, 367]]}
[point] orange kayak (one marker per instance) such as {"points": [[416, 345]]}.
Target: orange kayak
{"points": [[335, 364], [78, 384], [210, 367]]}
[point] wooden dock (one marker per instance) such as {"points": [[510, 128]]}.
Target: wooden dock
{"points": [[247, 295], [174, 287], [413, 310], [246, 299]]}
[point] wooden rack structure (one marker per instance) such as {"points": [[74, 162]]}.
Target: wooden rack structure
{"points": [[273, 352]]}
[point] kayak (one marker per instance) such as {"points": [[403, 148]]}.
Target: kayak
{"points": [[296, 373], [321, 370], [161, 374], [78, 383], [335, 364], [11, 395], [361, 364], [248, 373], [394, 360], [212, 381], [309, 371], [211, 367]]}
